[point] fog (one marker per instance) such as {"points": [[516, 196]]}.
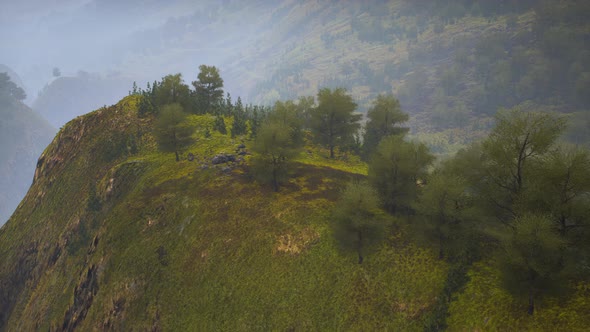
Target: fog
{"points": [[119, 40]]}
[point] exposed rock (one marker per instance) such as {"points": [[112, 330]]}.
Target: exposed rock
{"points": [[83, 297], [223, 158]]}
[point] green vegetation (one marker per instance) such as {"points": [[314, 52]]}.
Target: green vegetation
{"points": [[383, 119], [171, 132], [196, 244], [333, 122], [208, 88], [358, 221], [395, 171]]}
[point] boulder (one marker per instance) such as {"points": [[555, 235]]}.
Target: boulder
{"points": [[223, 158]]}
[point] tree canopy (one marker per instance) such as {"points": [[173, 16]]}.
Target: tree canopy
{"points": [[208, 87], [334, 121], [172, 133], [384, 119]]}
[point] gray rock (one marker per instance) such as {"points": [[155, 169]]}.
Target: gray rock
{"points": [[223, 158]]}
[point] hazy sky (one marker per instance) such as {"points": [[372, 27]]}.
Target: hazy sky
{"points": [[99, 36]]}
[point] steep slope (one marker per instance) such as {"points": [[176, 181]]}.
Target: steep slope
{"points": [[23, 136], [116, 235]]}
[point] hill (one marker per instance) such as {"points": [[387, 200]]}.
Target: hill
{"points": [[110, 239], [116, 235], [23, 136]]}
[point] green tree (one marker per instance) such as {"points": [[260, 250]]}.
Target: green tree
{"points": [[146, 105], [172, 90], [395, 170], [513, 149], [384, 119], [358, 223], [530, 258], [172, 133], [444, 212], [274, 148], [219, 125], [305, 107], [239, 126], [561, 188], [208, 87], [334, 122], [288, 113]]}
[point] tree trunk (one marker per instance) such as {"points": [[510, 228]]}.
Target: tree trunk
{"points": [[531, 310], [177, 158], [331, 151], [275, 183], [441, 253], [360, 253]]}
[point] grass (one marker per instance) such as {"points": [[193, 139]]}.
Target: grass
{"points": [[186, 248], [177, 246]]}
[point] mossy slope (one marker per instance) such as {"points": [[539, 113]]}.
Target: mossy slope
{"points": [[116, 235]]}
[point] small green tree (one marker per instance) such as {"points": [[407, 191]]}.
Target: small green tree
{"points": [[396, 168], [146, 105], [358, 223], [443, 208], [334, 122], [287, 113], [274, 149], [384, 119], [171, 132], [239, 126], [208, 87], [172, 90], [219, 125], [530, 258]]}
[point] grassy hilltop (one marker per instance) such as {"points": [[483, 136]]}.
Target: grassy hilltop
{"points": [[116, 235], [109, 239]]}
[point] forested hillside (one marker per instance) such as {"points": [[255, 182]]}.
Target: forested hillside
{"points": [[452, 64]]}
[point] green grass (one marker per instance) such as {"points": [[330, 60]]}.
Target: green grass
{"points": [[180, 247]]}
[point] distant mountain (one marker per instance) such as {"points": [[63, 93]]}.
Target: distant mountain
{"points": [[453, 64], [24, 134], [14, 77], [68, 97]]}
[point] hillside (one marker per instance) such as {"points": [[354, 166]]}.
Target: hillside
{"points": [[116, 235], [108, 239], [23, 136], [452, 63]]}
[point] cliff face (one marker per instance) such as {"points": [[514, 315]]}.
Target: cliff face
{"points": [[53, 221]]}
